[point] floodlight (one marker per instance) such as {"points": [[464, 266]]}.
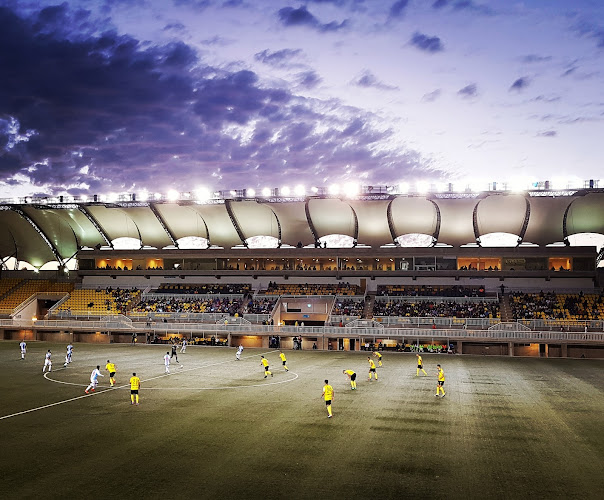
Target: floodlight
{"points": [[285, 191], [334, 189], [202, 194], [111, 197], [266, 192], [143, 196], [233, 193], [314, 189], [157, 196], [84, 198], [422, 187], [250, 192], [299, 190], [173, 195], [351, 189]]}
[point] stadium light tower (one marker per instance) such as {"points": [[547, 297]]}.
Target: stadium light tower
{"points": [[172, 195], [422, 187], [299, 190], [285, 191], [266, 192], [250, 192], [334, 189]]}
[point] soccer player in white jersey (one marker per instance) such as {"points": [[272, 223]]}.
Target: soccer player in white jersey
{"points": [[94, 379], [47, 362], [69, 353], [183, 347], [167, 361], [239, 351], [23, 347]]}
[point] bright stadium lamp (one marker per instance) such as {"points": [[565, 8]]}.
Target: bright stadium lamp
{"points": [[403, 187], [172, 195], [250, 192], [351, 189], [314, 189], [422, 187], [266, 192], [299, 190], [285, 191], [157, 196], [143, 196], [202, 194], [334, 189], [84, 198]]}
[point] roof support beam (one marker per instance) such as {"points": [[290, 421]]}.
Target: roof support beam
{"points": [[163, 224], [39, 230], [96, 225]]}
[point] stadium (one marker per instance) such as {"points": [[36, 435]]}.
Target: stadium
{"points": [[499, 288]]}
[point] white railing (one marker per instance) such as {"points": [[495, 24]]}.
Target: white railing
{"points": [[121, 325]]}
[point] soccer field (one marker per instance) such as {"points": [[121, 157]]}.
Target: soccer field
{"points": [[216, 428]]}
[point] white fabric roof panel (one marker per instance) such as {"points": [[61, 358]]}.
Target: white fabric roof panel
{"points": [[331, 216], [56, 229], [501, 214], [151, 230], [413, 215], [586, 215], [456, 226], [182, 220], [373, 222], [255, 219], [294, 226], [546, 220], [29, 245]]}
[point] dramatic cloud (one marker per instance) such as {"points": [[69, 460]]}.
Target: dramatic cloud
{"points": [[468, 91], [427, 43], [471, 6], [547, 133], [535, 58], [121, 114], [589, 29], [397, 9], [520, 84], [432, 96], [278, 58], [302, 17], [308, 79], [368, 79]]}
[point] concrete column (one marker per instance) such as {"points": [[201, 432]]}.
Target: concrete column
{"points": [[510, 348], [564, 353], [459, 348]]}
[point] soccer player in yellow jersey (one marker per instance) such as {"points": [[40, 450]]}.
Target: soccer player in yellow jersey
{"points": [[283, 360], [328, 396], [379, 357], [353, 378], [264, 362], [371, 368], [420, 366], [110, 367], [135, 384], [441, 382]]}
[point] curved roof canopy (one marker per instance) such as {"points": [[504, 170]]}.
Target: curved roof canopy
{"points": [[39, 234]]}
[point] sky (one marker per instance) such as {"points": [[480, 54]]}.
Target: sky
{"points": [[126, 96]]}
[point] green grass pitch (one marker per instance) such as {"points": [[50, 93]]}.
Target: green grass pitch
{"points": [[508, 427]]}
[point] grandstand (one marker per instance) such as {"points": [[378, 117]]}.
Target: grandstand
{"points": [[245, 268]]}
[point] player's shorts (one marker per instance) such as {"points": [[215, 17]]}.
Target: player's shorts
{"points": [[327, 402], [420, 367], [112, 374], [372, 369], [353, 376], [283, 363], [133, 391], [441, 383], [47, 362]]}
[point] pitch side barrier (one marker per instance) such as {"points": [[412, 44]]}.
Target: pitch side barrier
{"points": [[222, 330]]}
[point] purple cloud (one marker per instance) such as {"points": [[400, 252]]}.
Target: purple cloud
{"points": [[468, 91], [302, 17], [427, 43], [277, 58], [519, 84], [369, 80]]}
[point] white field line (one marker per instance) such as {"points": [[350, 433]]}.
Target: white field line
{"points": [[128, 385]]}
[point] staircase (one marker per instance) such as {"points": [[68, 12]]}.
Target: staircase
{"points": [[505, 308], [368, 309]]}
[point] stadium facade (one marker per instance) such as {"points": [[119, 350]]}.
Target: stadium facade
{"points": [[520, 241]]}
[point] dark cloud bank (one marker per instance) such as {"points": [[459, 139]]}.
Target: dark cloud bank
{"points": [[106, 111]]}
